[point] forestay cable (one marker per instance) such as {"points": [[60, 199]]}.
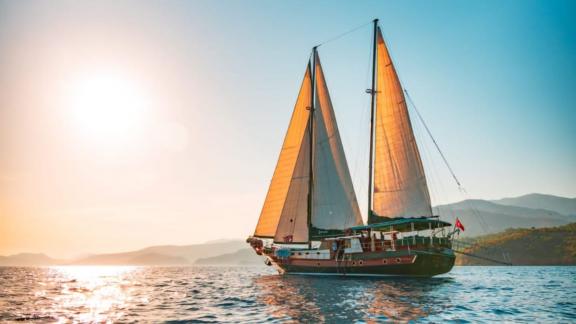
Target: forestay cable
{"points": [[344, 34]]}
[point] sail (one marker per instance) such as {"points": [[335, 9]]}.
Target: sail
{"points": [[400, 188], [285, 209], [334, 207], [293, 223]]}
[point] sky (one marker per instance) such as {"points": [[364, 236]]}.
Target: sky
{"points": [[125, 124]]}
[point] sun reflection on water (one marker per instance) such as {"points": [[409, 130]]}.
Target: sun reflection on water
{"points": [[92, 293], [100, 294]]}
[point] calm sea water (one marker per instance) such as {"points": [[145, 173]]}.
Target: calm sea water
{"points": [[253, 294]]}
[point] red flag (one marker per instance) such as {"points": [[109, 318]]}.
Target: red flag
{"points": [[459, 224]]}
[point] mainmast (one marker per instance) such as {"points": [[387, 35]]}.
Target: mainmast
{"points": [[311, 138], [372, 92]]}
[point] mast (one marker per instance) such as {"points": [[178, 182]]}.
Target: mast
{"points": [[311, 130], [372, 109]]}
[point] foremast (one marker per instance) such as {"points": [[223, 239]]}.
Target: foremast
{"points": [[372, 92], [311, 139]]}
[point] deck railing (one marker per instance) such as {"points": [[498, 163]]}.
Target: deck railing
{"points": [[381, 245]]}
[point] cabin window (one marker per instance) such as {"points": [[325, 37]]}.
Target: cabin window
{"points": [[307, 253], [360, 262], [384, 261], [397, 260]]}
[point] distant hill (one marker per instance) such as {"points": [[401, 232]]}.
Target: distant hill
{"points": [[197, 251], [28, 259], [154, 255], [164, 254], [543, 246], [561, 205], [482, 217], [132, 258], [245, 256]]}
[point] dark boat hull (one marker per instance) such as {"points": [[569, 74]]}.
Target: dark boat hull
{"points": [[405, 264]]}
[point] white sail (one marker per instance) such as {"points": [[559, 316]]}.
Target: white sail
{"points": [[334, 202], [400, 188]]}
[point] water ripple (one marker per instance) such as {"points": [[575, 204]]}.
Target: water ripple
{"points": [[257, 295]]}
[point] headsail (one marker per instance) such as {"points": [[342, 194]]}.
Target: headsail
{"points": [[400, 188], [335, 207], [285, 209], [284, 216]]}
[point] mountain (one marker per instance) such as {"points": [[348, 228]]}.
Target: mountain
{"points": [[164, 254], [28, 259], [482, 217], [542, 246], [132, 258], [561, 205], [245, 256], [154, 255]]}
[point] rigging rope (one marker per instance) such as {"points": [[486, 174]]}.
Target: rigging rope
{"points": [[475, 212], [484, 258], [460, 187], [433, 140], [344, 34]]}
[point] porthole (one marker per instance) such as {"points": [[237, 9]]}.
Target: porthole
{"points": [[307, 253], [353, 263], [318, 263], [397, 260], [360, 262], [384, 261]]}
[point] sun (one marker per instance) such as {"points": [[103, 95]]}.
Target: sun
{"points": [[107, 108]]}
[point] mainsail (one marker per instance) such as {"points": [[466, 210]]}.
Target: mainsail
{"points": [[400, 188], [284, 215]]}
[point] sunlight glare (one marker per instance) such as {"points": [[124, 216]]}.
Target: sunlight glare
{"points": [[108, 108], [99, 293]]}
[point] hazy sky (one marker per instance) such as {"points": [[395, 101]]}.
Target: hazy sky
{"points": [[126, 124]]}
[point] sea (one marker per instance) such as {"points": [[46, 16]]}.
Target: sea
{"points": [[86, 294]]}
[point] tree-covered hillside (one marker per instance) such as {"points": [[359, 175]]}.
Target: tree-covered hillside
{"points": [[541, 246]]}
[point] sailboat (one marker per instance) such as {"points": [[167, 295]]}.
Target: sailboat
{"points": [[311, 222]]}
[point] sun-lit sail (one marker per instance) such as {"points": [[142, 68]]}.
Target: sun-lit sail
{"points": [[284, 216], [400, 188], [293, 223], [335, 206], [288, 191], [311, 197]]}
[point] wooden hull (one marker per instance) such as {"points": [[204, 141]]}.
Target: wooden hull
{"points": [[419, 263]]}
